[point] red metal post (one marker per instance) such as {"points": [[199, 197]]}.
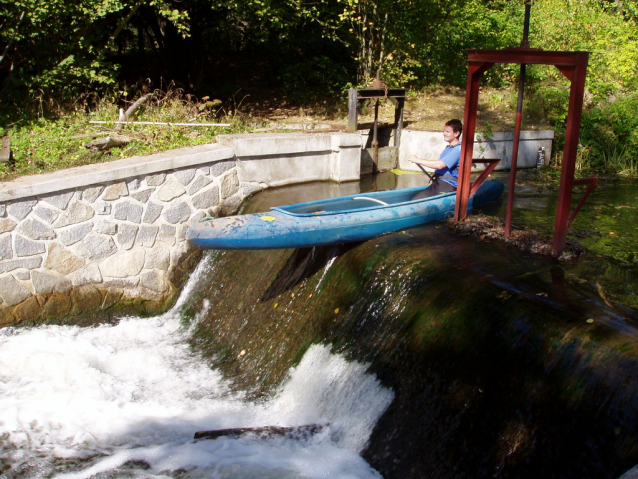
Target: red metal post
{"points": [[474, 73], [576, 74], [512, 182]]}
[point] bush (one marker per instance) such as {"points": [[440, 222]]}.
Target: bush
{"points": [[610, 131]]}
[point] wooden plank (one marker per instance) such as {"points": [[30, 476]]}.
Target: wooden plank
{"points": [[370, 124], [353, 105], [5, 153], [388, 156], [156, 123], [366, 93], [398, 121]]}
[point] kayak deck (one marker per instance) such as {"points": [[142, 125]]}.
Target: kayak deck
{"points": [[338, 220], [354, 203]]}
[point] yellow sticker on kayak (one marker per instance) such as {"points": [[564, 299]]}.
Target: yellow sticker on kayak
{"points": [[268, 218]]}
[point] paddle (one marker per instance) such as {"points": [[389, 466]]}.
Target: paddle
{"points": [[426, 173]]}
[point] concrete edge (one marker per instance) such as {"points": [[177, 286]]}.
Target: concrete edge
{"points": [[87, 175]]}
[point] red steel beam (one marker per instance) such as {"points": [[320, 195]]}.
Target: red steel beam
{"points": [[576, 75], [591, 182], [491, 164], [526, 55], [474, 73]]}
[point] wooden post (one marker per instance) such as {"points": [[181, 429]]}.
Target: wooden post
{"points": [[353, 100], [398, 121], [5, 153]]}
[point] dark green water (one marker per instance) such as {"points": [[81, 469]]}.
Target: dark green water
{"points": [[503, 364]]}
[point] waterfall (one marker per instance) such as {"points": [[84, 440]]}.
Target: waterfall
{"points": [[126, 399]]}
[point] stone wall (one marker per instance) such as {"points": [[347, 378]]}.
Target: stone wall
{"points": [[119, 242], [104, 239]]}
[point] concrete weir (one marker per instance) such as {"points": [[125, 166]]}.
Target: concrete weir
{"points": [[101, 239]]}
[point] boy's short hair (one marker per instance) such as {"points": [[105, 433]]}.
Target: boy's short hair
{"points": [[456, 125]]}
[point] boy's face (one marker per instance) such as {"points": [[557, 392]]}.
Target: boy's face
{"points": [[449, 134]]}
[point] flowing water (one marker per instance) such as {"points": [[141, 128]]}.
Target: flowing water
{"points": [[417, 354], [125, 400]]}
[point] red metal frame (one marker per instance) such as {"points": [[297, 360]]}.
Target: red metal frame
{"points": [[491, 164], [571, 64], [592, 182]]}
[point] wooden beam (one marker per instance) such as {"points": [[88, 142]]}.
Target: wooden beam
{"points": [[5, 153], [156, 123]]}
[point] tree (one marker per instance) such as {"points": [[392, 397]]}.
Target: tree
{"points": [[606, 29]]}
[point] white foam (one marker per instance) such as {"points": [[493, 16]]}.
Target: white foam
{"points": [[101, 397]]}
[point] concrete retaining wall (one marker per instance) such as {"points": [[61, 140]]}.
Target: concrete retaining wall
{"points": [[278, 160], [98, 239], [499, 145]]}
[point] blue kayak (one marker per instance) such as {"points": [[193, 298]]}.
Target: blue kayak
{"points": [[344, 219]]}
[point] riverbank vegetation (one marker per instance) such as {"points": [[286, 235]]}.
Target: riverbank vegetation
{"points": [[250, 63]]}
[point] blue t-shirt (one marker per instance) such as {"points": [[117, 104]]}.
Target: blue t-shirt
{"points": [[451, 156]]}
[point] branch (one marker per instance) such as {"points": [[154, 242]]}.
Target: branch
{"points": [[382, 41], [155, 123], [123, 23], [138, 103], [6, 49], [131, 109]]}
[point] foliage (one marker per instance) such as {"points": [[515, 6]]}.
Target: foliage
{"points": [[420, 42], [303, 45], [41, 66], [311, 51], [610, 132], [588, 25]]}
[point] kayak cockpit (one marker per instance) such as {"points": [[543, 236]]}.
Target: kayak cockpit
{"points": [[353, 203]]}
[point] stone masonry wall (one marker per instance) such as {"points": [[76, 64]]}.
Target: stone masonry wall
{"points": [[101, 240], [118, 242]]}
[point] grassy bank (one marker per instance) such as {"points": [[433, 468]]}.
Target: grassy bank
{"points": [[66, 137]]}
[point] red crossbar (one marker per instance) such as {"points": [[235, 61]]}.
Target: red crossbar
{"points": [[592, 182], [491, 164]]}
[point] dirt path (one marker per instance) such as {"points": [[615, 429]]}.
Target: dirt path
{"points": [[426, 111]]}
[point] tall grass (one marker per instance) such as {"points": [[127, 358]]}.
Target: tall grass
{"points": [[620, 159], [41, 143]]}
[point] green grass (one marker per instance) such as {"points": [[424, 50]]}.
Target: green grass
{"points": [[618, 158], [42, 145]]}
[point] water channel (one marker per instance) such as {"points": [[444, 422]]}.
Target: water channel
{"points": [[418, 354]]}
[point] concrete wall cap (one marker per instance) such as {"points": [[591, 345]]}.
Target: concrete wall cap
{"points": [[82, 176], [274, 144], [346, 140], [261, 147]]}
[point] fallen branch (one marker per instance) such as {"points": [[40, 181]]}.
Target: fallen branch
{"points": [[77, 137], [601, 293], [131, 109], [262, 432], [107, 143], [138, 103]]}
